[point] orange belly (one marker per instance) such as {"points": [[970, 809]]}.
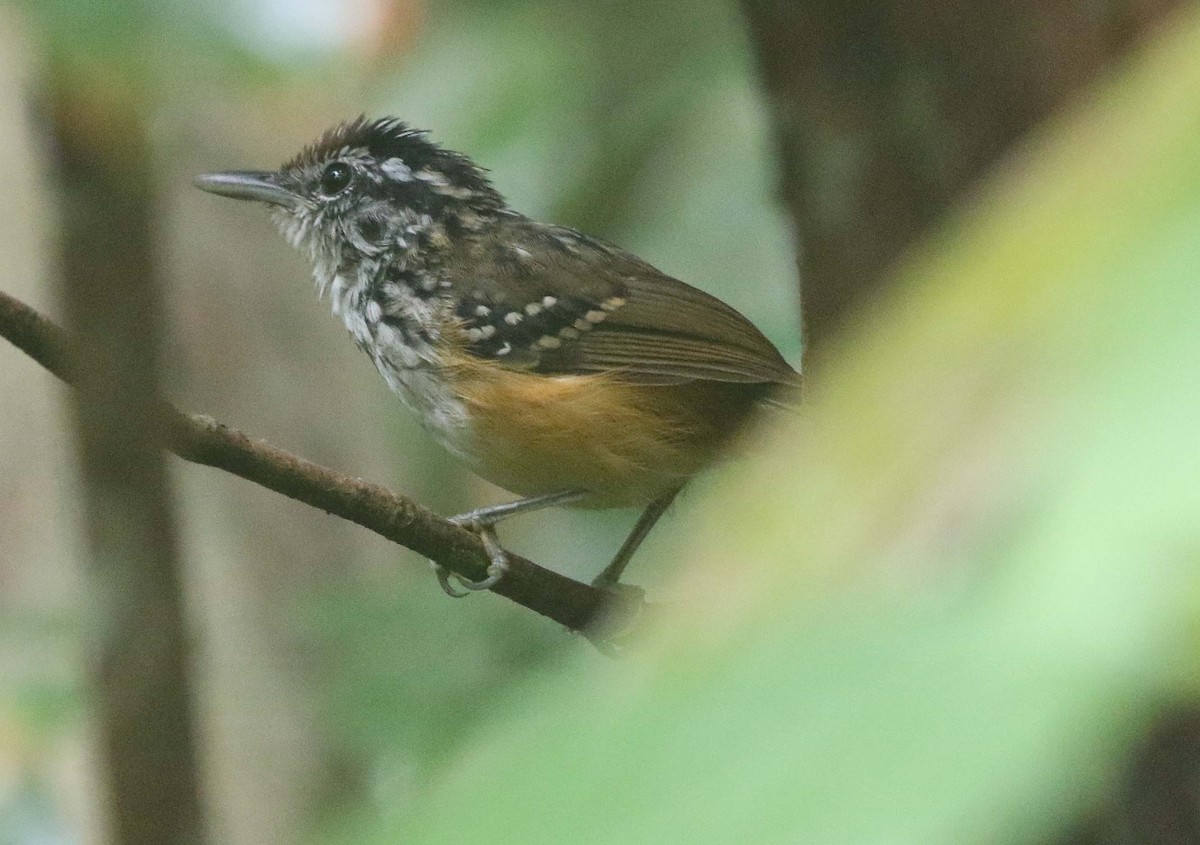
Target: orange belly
{"points": [[626, 443]]}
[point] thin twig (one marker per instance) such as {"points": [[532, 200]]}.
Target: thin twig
{"points": [[203, 440]]}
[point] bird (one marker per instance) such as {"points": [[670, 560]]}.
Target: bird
{"points": [[555, 364]]}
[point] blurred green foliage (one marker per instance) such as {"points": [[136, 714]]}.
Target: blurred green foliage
{"points": [[940, 607], [935, 610]]}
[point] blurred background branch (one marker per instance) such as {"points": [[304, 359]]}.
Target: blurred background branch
{"points": [[886, 111], [138, 639]]}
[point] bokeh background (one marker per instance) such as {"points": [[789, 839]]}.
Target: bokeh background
{"points": [[954, 601]]}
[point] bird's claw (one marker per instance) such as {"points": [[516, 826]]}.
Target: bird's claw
{"points": [[496, 570]]}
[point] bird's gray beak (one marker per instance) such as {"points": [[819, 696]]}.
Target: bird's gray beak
{"points": [[246, 185]]}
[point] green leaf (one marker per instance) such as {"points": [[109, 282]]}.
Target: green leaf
{"points": [[938, 607]]}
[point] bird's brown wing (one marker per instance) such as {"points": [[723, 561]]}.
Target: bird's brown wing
{"points": [[552, 300]]}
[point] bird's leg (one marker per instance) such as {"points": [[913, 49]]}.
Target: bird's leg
{"points": [[482, 522], [612, 573]]}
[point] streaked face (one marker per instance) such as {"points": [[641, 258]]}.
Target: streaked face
{"points": [[363, 189]]}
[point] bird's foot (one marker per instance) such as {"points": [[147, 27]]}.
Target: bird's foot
{"points": [[482, 523], [484, 528]]}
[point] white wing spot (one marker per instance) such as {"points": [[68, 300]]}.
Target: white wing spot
{"points": [[513, 317], [482, 311], [594, 316], [547, 342], [613, 303], [533, 309], [568, 333], [548, 301]]}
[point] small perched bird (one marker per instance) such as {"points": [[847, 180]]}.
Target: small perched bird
{"points": [[558, 366]]}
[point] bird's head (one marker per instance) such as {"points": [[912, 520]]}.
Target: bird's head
{"points": [[367, 188]]}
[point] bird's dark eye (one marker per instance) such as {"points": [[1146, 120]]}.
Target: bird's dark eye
{"points": [[336, 178]]}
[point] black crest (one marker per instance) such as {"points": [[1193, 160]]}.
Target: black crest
{"points": [[385, 138]]}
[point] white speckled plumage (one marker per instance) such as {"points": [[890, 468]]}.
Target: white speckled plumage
{"points": [[547, 359]]}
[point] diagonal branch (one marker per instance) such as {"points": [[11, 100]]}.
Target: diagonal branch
{"points": [[203, 440]]}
